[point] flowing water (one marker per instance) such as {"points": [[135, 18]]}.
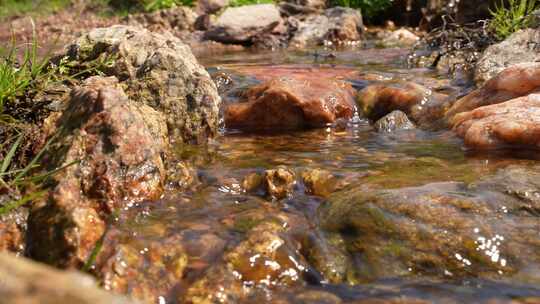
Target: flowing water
{"points": [[319, 259]]}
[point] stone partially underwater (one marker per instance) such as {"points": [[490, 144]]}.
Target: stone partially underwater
{"points": [[305, 98], [445, 229], [504, 113]]}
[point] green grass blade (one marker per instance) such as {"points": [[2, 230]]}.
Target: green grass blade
{"points": [[32, 163], [9, 156], [12, 205]]}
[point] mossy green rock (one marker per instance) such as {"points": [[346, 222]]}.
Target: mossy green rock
{"points": [[487, 230]]}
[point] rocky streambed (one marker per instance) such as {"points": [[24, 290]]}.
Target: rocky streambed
{"points": [[293, 176]]}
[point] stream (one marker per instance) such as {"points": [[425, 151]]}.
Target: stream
{"points": [[402, 217]]}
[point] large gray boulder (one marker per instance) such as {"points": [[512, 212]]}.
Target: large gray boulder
{"points": [[242, 24], [26, 282], [521, 47], [157, 70]]}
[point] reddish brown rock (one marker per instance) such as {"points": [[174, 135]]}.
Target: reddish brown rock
{"points": [[518, 80], [421, 104], [514, 123], [290, 103], [111, 148], [144, 270]]}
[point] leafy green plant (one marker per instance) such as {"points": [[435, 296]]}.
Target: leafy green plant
{"points": [[369, 8], [508, 19]]}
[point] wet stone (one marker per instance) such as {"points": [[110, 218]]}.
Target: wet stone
{"points": [[320, 182], [441, 229], [516, 81], [393, 122], [291, 103], [419, 103], [511, 124], [279, 182], [276, 183]]}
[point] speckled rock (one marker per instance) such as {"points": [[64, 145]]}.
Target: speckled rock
{"points": [[111, 148], [395, 121], [157, 70], [520, 47]]}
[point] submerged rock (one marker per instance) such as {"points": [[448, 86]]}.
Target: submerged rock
{"points": [[267, 258], [277, 183], [514, 124], [24, 281], [395, 121], [292, 103], [144, 270], [111, 150], [516, 81], [243, 24], [320, 182], [520, 47], [483, 230], [337, 25], [157, 70]]}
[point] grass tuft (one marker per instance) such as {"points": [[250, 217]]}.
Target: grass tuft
{"points": [[511, 17]]}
